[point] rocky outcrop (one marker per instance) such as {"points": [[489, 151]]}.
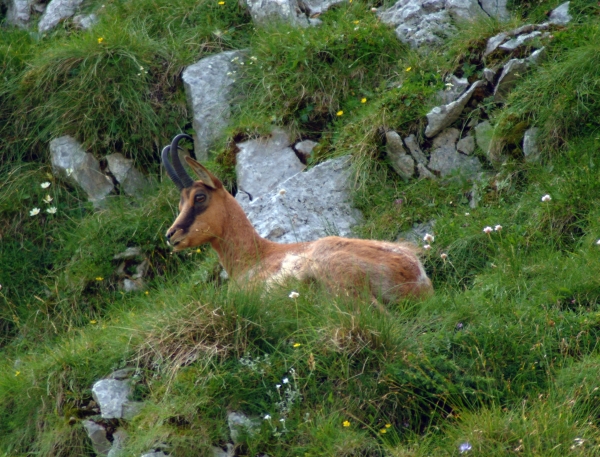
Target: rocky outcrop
{"points": [[296, 12], [441, 117], [306, 206], [132, 182], [428, 22], [80, 168], [208, 85], [263, 163], [57, 11]]}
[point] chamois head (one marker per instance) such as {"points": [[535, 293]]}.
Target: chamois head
{"points": [[201, 209]]}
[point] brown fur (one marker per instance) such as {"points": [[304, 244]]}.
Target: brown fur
{"points": [[388, 270]]}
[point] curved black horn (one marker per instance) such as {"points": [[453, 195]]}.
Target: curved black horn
{"points": [[184, 178], [169, 168]]}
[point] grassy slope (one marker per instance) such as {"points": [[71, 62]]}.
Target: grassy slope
{"points": [[503, 357]]}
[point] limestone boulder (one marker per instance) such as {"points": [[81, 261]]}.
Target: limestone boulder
{"points": [[132, 182], [445, 159], [18, 12], [208, 86], [97, 434], [401, 162], [530, 147], [57, 11], [263, 163], [71, 162], [441, 117], [307, 206]]}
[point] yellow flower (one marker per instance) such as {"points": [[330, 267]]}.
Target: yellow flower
{"points": [[383, 431], [297, 345], [388, 425], [100, 40], [93, 321], [408, 69], [221, 3], [363, 100], [346, 423], [355, 22], [99, 278], [198, 251], [17, 373], [340, 113], [146, 292]]}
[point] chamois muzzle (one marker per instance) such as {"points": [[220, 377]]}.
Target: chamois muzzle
{"points": [[173, 166]]}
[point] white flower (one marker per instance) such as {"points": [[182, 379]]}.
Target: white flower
{"points": [[427, 247], [428, 237], [488, 230], [374, 10], [498, 228], [294, 294], [267, 417], [69, 171], [467, 214], [285, 380], [444, 256], [282, 192], [47, 199], [598, 242], [278, 386], [34, 212], [51, 210], [45, 185], [546, 198], [282, 420], [464, 447]]}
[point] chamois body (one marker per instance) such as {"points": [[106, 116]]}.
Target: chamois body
{"points": [[209, 214]]}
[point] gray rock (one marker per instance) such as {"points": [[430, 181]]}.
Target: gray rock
{"points": [[141, 269], [536, 57], [307, 206], [521, 40], [266, 11], [97, 434], [401, 162], [72, 163], [131, 180], [133, 285], [123, 373], [455, 87], [494, 42], [441, 117], [446, 160], [560, 15], [483, 135], [489, 74], [511, 73], [129, 253], [466, 145], [530, 147], [415, 150], [57, 11], [263, 163], [228, 452], [119, 438], [85, 22], [527, 28], [305, 148], [315, 7], [416, 234], [111, 395], [496, 8], [207, 85], [18, 12], [424, 172], [240, 424]]}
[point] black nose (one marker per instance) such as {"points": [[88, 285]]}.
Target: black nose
{"points": [[170, 233]]}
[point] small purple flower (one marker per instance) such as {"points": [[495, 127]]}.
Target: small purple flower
{"points": [[464, 447], [459, 326]]}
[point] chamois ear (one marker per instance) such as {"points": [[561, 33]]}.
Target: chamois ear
{"points": [[205, 176]]}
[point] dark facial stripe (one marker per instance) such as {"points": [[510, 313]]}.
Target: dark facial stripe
{"points": [[190, 211]]}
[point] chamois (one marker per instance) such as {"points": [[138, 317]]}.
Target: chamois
{"points": [[208, 213]]}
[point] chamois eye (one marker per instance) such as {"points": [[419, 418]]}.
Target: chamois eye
{"points": [[199, 198]]}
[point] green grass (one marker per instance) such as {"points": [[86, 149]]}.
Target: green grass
{"points": [[503, 357]]}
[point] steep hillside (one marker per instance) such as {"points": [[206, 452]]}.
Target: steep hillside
{"points": [[502, 360]]}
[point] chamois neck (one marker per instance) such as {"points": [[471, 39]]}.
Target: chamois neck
{"points": [[240, 246]]}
